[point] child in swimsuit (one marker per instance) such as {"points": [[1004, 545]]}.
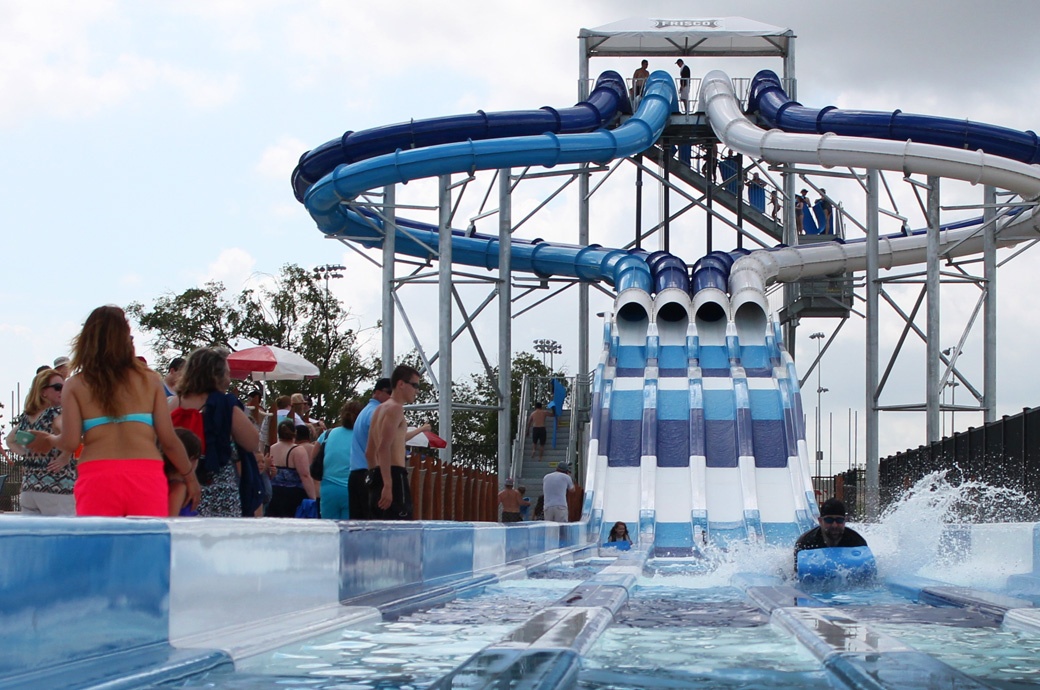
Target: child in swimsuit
{"points": [[177, 488]]}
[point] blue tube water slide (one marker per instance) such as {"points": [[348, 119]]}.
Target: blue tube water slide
{"points": [[768, 98], [608, 98], [327, 199]]}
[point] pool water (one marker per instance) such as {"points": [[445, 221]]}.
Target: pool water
{"points": [[411, 652], [988, 653]]}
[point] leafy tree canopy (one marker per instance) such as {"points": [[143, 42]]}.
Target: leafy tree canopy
{"points": [[293, 311]]}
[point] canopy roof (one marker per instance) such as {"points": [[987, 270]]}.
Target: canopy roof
{"points": [[718, 37]]}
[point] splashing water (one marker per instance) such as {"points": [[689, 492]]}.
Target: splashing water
{"points": [[915, 535], [922, 533]]}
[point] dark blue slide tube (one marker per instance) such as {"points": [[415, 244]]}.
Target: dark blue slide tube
{"points": [[768, 98], [668, 271], [608, 98], [617, 267], [711, 271]]}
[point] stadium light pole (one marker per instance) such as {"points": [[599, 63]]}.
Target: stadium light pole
{"points": [[548, 347]]}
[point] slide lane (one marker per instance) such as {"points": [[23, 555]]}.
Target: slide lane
{"points": [[609, 98], [768, 98], [696, 440]]}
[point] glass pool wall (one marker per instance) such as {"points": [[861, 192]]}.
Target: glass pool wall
{"points": [[147, 603]]}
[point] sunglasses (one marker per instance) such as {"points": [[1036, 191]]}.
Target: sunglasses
{"points": [[414, 384], [56, 386], [833, 520]]}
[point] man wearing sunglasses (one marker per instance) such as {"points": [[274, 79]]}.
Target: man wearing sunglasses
{"points": [[389, 497], [831, 532]]}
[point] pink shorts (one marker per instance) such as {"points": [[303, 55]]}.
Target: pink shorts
{"points": [[118, 488]]}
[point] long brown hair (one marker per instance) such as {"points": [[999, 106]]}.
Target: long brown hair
{"points": [[203, 371], [34, 400], [103, 354]]}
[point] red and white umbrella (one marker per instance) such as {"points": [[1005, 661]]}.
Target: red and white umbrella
{"points": [[270, 363], [426, 439]]}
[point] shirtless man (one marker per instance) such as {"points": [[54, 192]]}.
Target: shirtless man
{"points": [[389, 497], [537, 423], [639, 78], [509, 499]]}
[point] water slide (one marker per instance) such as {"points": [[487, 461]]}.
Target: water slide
{"points": [[608, 98], [697, 435]]}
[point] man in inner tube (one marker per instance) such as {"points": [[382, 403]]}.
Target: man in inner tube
{"points": [[831, 532]]}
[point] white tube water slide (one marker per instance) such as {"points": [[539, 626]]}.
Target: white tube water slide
{"points": [[752, 499]]}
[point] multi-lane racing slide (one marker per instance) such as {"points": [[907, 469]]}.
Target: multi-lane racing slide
{"points": [[697, 433]]}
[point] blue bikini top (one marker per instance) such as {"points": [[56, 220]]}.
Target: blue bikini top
{"points": [[142, 417]]}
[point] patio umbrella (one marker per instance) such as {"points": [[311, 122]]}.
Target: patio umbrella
{"points": [[270, 363], [426, 439]]}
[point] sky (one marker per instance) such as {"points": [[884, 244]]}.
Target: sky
{"points": [[147, 149]]}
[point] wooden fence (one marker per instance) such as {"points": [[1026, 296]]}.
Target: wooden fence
{"points": [[451, 492]]}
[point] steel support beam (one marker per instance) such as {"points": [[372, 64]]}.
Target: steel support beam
{"points": [[989, 313], [505, 324], [932, 309], [444, 313], [389, 282], [872, 347]]}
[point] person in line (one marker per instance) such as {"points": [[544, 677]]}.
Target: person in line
{"points": [[61, 365], [774, 206], [298, 407], [173, 375], [555, 488], [639, 78], [317, 425], [338, 445], [358, 460], [619, 533], [116, 407], [177, 488], [48, 476], [824, 211], [291, 463], [257, 416], [684, 86], [389, 496], [227, 435], [831, 531], [801, 205], [509, 499], [536, 420], [525, 503], [268, 435]]}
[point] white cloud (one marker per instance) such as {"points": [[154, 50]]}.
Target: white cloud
{"points": [[279, 160], [233, 267]]}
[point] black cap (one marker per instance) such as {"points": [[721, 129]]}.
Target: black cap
{"points": [[384, 385], [832, 506]]}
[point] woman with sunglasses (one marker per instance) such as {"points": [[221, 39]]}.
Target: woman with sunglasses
{"points": [[116, 407], [48, 475], [830, 532]]}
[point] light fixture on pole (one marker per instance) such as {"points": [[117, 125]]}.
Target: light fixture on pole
{"points": [[820, 390], [326, 272], [548, 347]]}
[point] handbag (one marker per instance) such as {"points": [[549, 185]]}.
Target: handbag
{"points": [[318, 463]]}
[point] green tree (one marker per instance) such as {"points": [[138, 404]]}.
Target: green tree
{"points": [[293, 312]]}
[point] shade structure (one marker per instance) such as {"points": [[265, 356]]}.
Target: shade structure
{"points": [[270, 363], [426, 439]]}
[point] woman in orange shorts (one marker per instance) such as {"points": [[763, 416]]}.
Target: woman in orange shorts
{"points": [[116, 407]]}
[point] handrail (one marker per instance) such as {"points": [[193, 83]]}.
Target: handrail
{"points": [[517, 464]]}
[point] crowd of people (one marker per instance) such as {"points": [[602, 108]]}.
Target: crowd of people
{"points": [[102, 434], [115, 439]]}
